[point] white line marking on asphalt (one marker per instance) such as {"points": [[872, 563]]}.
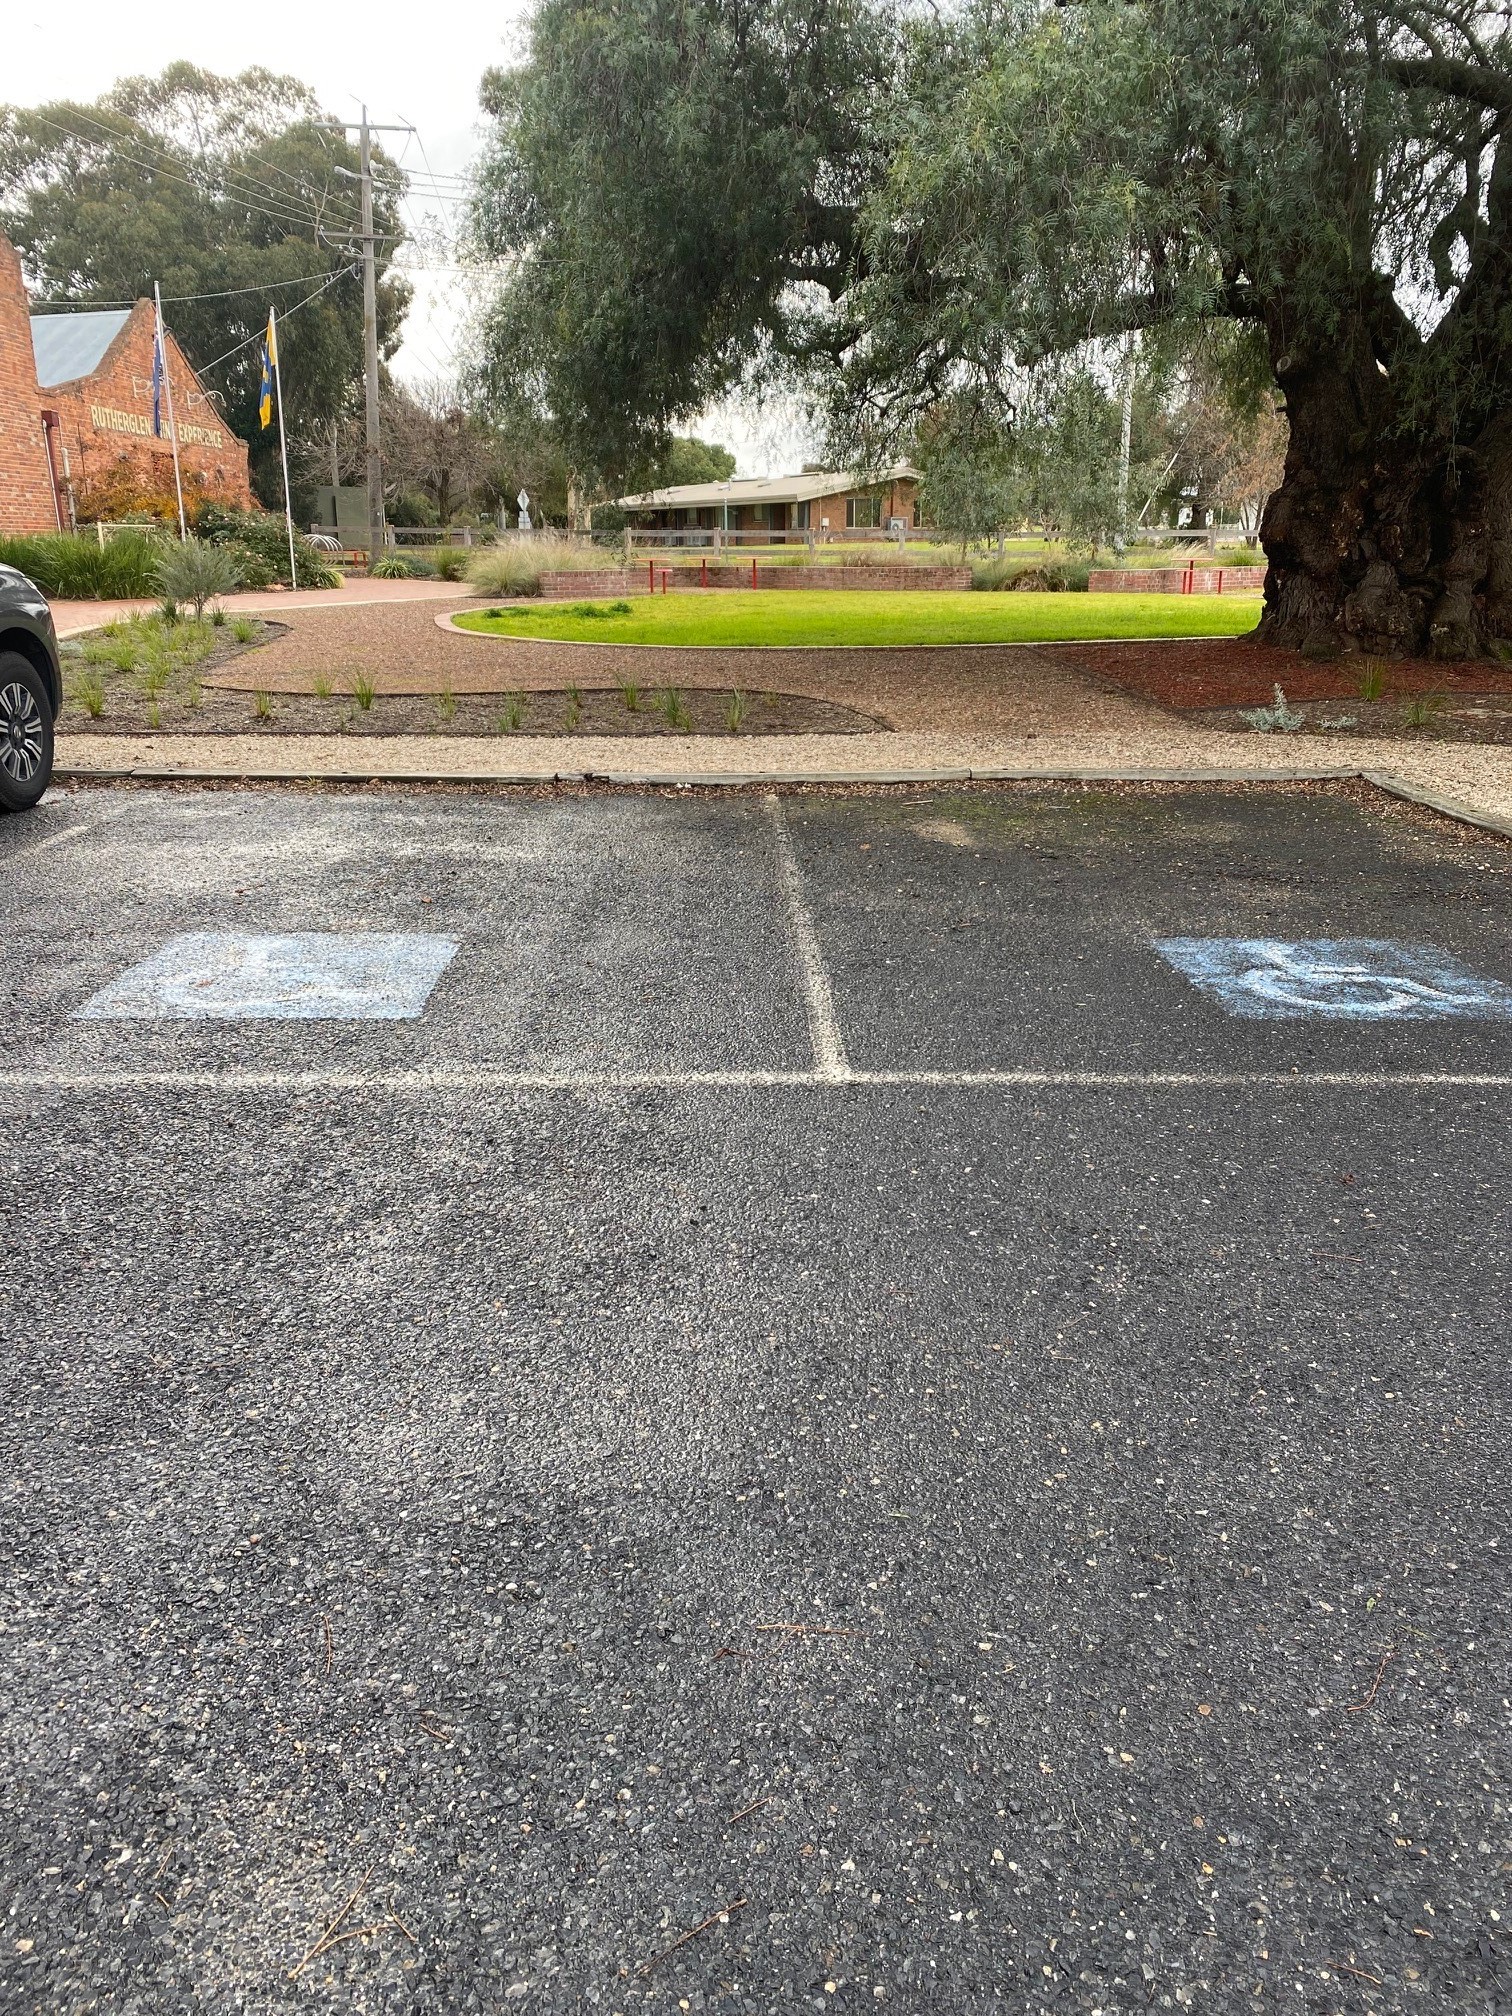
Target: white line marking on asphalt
{"points": [[57, 839], [831, 1064], [484, 1079]]}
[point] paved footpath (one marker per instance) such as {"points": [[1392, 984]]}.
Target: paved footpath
{"points": [[72, 618], [614, 1403]]}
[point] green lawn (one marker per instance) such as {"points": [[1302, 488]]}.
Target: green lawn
{"points": [[769, 616]]}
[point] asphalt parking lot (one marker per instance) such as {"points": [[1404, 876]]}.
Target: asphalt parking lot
{"points": [[925, 1371]]}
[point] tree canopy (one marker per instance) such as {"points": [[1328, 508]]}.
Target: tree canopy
{"points": [[225, 190], [909, 208]]}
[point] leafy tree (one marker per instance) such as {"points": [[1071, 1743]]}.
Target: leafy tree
{"points": [[918, 205], [221, 188], [689, 460], [661, 173]]}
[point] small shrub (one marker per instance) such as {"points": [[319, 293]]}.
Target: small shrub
{"points": [[574, 711], [390, 567], [168, 612], [505, 570], [218, 617], [262, 704], [630, 693], [1371, 683], [194, 693], [154, 716], [322, 685], [1424, 708], [446, 703], [675, 710], [363, 691], [1278, 718], [450, 563], [195, 572], [513, 715], [259, 543], [90, 688], [243, 629], [734, 711]]}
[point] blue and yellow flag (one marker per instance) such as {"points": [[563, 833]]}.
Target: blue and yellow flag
{"points": [[269, 366]]}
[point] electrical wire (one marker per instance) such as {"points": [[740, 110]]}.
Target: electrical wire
{"points": [[224, 294], [307, 220], [258, 335]]}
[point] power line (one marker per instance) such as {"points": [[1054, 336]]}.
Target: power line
{"points": [[224, 294], [257, 335], [308, 220]]}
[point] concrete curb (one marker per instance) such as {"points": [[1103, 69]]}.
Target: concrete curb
{"points": [[714, 779], [1451, 808], [1386, 781]]}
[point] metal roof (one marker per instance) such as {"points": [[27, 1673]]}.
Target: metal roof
{"points": [[762, 489], [70, 344]]}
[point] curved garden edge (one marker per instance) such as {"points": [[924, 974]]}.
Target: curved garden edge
{"points": [[447, 622]]}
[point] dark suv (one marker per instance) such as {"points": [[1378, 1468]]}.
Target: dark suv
{"points": [[31, 691]]}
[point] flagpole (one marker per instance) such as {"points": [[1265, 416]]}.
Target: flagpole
{"points": [[178, 481], [283, 450]]}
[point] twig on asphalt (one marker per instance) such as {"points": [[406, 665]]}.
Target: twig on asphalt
{"points": [[326, 1937], [330, 1646], [394, 1915], [1342, 1967], [746, 1811], [719, 1917], [1358, 1707], [810, 1630]]}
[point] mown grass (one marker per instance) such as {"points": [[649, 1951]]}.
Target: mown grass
{"points": [[857, 616]]}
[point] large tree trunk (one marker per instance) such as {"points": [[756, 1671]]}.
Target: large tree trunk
{"points": [[1384, 538]]}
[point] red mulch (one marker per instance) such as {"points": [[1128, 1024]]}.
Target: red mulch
{"points": [[1233, 672]]}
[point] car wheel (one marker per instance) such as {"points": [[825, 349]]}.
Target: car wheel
{"points": [[26, 734]]}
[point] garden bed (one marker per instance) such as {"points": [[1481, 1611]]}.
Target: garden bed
{"points": [[624, 709], [142, 672]]}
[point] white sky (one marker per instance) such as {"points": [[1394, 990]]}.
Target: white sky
{"points": [[411, 67]]}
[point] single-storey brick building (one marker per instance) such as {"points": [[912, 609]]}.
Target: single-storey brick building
{"points": [[825, 502], [76, 413]]}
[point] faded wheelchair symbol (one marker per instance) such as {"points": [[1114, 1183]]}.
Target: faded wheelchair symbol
{"points": [[1344, 979]]}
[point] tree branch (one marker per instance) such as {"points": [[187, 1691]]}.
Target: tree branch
{"points": [[1454, 78]]}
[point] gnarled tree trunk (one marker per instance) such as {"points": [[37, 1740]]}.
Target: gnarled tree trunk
{"points": [[1385, 537]]}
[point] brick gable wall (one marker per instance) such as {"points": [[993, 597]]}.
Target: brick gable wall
{"points": [[107, 422], [26, 491]]}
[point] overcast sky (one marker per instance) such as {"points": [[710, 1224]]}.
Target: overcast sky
{"points": [[414, 67]]}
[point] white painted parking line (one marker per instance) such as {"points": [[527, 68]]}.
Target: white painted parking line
{"points": [[481, 1078], [830, 1062], [1340, 979], [74, 832], [303, 976]]}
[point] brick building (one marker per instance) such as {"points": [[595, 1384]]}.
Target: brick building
{"points": [[825, 502], [76, 413]]}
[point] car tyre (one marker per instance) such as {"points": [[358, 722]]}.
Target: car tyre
{"points": [[26, 733]]}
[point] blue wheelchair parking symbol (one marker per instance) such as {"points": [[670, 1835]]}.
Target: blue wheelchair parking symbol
{"points": [[1341, 979]]}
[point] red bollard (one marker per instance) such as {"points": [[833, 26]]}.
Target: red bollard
{"points": [[1220, 580], [651, 573], [753, 573], [664, 580], [703, 573]]}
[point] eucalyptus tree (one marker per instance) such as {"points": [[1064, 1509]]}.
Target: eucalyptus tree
{"points": [[913, 208]]}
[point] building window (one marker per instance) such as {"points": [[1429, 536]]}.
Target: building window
{"points": [[863, 514], [803, 516]]}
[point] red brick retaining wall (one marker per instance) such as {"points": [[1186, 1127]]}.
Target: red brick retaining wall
{"points": [[1207, 580], [637, 580]]}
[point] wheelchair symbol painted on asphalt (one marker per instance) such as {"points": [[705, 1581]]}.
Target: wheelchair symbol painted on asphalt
{"points": [[1341, 979], [301, 976]]}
